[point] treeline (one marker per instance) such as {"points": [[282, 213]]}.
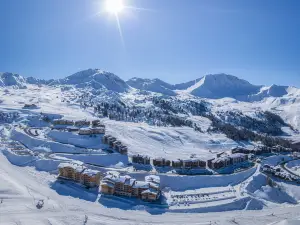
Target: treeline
{"points": [[242, 134]]}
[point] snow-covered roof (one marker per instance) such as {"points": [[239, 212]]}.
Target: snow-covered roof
{"points": [[221, 159], [141, 184], [77, 167], [237, 155], [85, 129], [130, 181], [150, 191], [152, 178], [109, 184], [90, 172], [176, 160]]}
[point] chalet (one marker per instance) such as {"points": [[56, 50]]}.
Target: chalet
{"points": [[238, 158], [63, 122], [178, 163], [81, 123], [161, 162], [105, 138], [141, 159]]}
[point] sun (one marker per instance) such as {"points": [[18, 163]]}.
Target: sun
{"points": [[114, 6]]}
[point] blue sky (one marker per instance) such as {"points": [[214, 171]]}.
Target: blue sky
{"points": [[175, 40]]}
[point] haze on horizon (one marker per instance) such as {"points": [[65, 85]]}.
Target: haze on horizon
{"points": [[172, 40]]}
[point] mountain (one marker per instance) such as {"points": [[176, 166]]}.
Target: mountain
{"points": [[14, 80], [154, 85], [37, 81], [212, 86], [222, 85], [97, 79], [185, 85], [159, 86]]}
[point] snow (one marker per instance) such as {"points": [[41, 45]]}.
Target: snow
{"points": [[27, 179]]}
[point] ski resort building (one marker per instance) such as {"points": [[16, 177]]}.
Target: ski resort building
{"points": [[238, 158], [161, 162], [240, 150], [178, 163], [89, 131], [70, 171], [110, 141], [90, 178], [122, 149], [141, 159], [148, 190], [105, 138], [63, 122], [79, 174], [97, 123], [81, 123], [220, 162], [30, 106]]}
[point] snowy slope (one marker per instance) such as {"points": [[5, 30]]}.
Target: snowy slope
{"points": [[154, 85], [14, 80], [22, 187], [96, 79], [222, 85]]}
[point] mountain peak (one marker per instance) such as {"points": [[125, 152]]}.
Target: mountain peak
{"points": [[97, 79], [222, 85]]}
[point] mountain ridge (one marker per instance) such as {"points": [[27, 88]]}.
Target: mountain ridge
{"points": [[211, 86]]}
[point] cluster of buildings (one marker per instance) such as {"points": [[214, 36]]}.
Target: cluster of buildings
{"points": [[30, 106], [277, 171], [79, 174], [148, 190], [83, 127], [215, 163], [115, 144], [140, 159], [261, 149], [223, 161]]}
